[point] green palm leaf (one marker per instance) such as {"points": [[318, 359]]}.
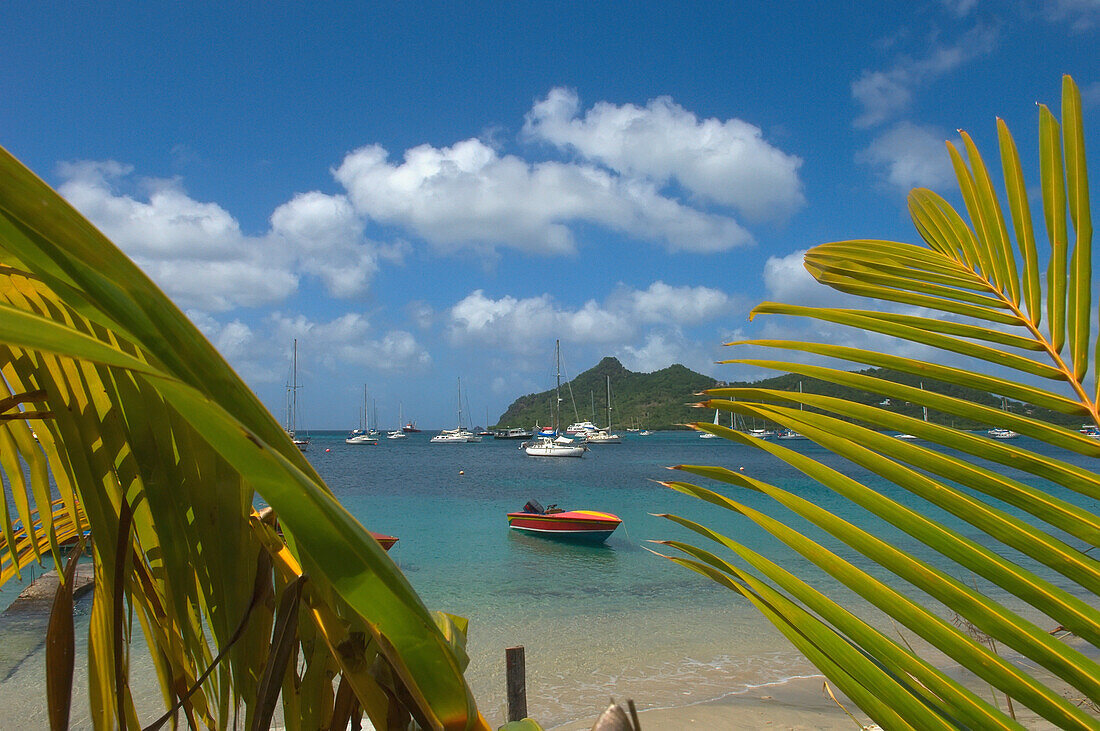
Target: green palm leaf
{"points": [[158, 449], [981, 298]]}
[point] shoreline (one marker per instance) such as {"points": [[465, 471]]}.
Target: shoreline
{"points": [[795, 703]]}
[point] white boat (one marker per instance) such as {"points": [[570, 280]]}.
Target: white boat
{"points": [[999, 433], [550, 446], [291, 426], [907, 437], [760, 433], [581, 428], [458, 435], [454, 436], [605, 436], [707, 434], [398, 433], [644, 433], [790, 434], [364, 435]]}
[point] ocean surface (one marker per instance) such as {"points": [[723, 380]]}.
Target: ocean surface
{"points": [[613, 620]]}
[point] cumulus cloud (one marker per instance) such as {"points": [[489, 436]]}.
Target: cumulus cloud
{"points": [[350, 340], [723, 161], [662, 349], [787, 281], [517, 323], [196, 252], [885, 94], [910, 156], [470, 196]]}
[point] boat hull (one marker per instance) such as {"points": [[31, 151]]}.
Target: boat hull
{"points": [[554, 450], [582, 526]]}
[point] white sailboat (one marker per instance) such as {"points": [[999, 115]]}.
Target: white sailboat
{"points": [[606, 436], [398, 433], [460, 434], [362, 435], [707, 434], [292, 387], [791, 433], [550, 446]]}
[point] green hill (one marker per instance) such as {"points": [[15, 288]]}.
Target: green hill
{"points": [[660, 400], [655, 400]]}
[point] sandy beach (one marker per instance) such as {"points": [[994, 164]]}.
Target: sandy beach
{"points": [[795, 704]]}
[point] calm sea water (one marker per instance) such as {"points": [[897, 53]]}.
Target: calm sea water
{"points": [[596, 621]]}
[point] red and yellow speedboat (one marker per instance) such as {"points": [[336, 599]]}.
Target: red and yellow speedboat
{"points": [[586, 526]]}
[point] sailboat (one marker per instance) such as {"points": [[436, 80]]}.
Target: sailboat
{"points": [[362, 435], [791, 433], [998, 432], [460, 434], [707, 434], [606, 436], [911, 437], [550, 446], [291, 426], [398, 433]]}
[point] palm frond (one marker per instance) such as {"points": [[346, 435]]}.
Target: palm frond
{"points": [[1023, 520]]}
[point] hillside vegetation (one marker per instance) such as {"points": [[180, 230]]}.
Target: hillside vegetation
{"points": [[663, 399]]}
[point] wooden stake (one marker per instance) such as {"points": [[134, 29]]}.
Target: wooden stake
{"points": [[517, 683]]}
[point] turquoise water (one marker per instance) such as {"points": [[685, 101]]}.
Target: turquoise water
{"points": [[596, 621]]}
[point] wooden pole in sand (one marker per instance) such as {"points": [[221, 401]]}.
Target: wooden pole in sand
{"points": [[517, 683]]}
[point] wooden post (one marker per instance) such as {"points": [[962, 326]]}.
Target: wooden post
{"points": [[517, 683]]}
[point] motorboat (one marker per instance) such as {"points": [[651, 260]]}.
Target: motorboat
{"points": [[383, 540], [514, 432], [584, 526], [455, 436], [907, 437], [790, 434], [410, 428], [999, 433], [396, 434], [579, 428]]}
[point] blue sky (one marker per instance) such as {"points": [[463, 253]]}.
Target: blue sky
{"points": [[424, 191]]}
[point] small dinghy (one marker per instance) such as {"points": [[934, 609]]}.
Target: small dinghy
{"points": [[585, 526]]}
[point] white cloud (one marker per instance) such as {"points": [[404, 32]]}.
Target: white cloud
{"points": [[885, 94], [910, 156], [517, 323], [349, 340], [663, 303], [1082, 15], [514, 323], [960, 8], [787, 280], [727, 162], [196, 252], [326, 237], [469, 196], [662, 349]]}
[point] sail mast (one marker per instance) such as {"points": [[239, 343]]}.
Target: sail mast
{"points": [[609, 404], [557, 386]]}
